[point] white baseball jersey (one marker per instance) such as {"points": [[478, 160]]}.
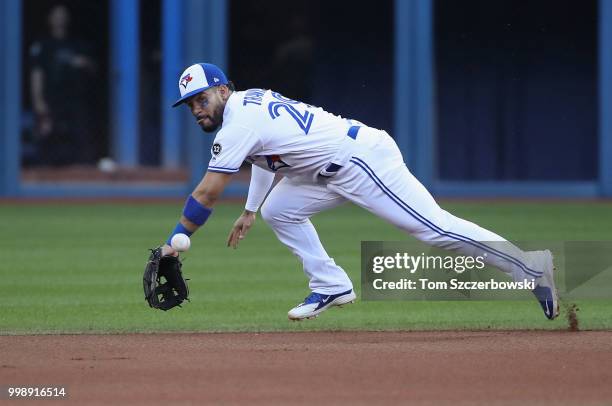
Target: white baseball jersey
{"points": [[277, 134]]}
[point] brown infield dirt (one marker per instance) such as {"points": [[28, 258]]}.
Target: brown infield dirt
{"points": [[327, 368]]}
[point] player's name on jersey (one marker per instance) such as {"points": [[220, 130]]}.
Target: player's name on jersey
{"points": [[253, 96]]}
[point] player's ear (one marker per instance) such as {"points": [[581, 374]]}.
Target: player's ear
{"points": [[224, 92]]}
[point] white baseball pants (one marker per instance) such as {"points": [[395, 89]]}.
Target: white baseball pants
{"points": [[377, 179]]}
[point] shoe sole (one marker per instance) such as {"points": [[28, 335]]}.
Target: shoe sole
{"points": [[339, 302]]}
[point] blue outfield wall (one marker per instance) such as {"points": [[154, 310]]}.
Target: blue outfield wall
{"points": [[414, 102], [172, 66], [10, 96], [605, 97], [201, 35], [124, 103]]}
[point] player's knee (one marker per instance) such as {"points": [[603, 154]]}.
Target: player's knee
{"points": [[267, 213], [440, 224], [431, 225], [444, 219], [273, 214]]}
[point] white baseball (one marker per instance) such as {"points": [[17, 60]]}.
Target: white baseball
{"points": [[180, 242]]}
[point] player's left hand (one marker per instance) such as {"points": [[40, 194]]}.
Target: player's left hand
{"points": [[241, 228], [174, 290]]}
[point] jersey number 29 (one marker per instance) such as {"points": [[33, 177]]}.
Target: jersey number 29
{"points": [[304, 120]]}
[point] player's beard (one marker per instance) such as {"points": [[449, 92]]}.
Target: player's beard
{"points": [[215, 120]]}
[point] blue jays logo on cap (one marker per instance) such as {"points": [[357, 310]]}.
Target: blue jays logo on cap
{"points": [[185, 80], [197, 78]]}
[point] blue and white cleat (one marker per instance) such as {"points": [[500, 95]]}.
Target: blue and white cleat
{"points": [[545, 290], [316, 303]]}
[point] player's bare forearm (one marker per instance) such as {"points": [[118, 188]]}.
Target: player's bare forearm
{"points": [[207, 193], [199, 205], [211, 187]]}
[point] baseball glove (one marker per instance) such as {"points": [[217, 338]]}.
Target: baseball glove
{"points": [[171, 293]]}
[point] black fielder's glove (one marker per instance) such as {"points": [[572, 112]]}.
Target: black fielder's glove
{"points": [[171, 293]]}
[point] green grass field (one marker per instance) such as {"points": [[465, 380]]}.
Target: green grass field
{"points": [[78, 268]]}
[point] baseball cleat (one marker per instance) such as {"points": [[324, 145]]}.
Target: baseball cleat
{"points": [[316, 303], [545, 290]]}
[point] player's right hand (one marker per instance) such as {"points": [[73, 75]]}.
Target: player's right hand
{"points": [[168, 250], [241, 228]]}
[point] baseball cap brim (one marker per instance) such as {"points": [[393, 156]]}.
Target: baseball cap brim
{"points": [[192, 93]]}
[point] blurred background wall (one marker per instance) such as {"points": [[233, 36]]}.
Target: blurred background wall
{"points": [[486, 98], [517, 89]]}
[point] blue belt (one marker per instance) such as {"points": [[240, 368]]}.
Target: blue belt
{"points": [[352, 132], [331, 168]]}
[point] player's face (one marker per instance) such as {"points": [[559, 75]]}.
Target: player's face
{"points": [[207, 108]]}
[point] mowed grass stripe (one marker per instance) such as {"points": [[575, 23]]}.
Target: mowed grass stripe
{"points": [[78, 268]]}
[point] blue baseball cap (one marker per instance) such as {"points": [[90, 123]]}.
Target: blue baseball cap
{"points": [[197, 78]]}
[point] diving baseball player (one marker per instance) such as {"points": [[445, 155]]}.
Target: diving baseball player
{"points": [[325, 160]]}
